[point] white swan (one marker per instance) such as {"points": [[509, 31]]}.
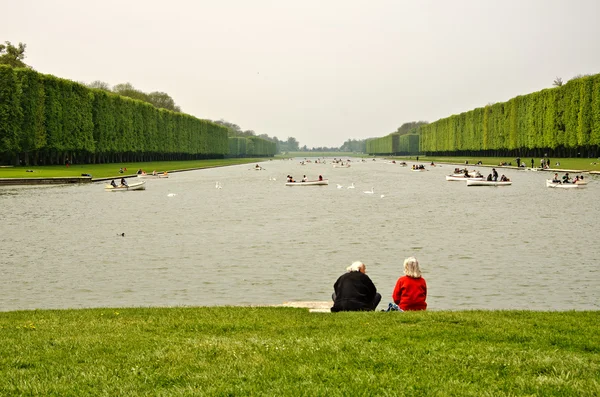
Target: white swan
{"points": [[217, 185], [339, 186], [171, 195], [351, 186], [382, 196], [369, 191]]}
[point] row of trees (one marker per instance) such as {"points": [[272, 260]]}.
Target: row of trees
{"points": [[563, 122], [250, 146], [404, 141], [48, 120], [158, 99]]}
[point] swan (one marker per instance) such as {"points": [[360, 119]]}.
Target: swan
{"points": [[369, 191], [217, 185], [351, 186], [382, 196], [339, 186], [171, 195]]}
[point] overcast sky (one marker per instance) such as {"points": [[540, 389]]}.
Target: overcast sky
{"points": [[322, 71]]}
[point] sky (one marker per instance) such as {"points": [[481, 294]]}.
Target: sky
{"points": [[321, 71]]}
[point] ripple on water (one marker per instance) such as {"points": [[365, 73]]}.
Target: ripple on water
{"points": [[503, 248]]}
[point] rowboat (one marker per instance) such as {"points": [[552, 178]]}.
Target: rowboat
{"points": [[488, 183], [463, 178], [134, 186], [551, 183], [309, 183], [153, 176], [341, 166]]}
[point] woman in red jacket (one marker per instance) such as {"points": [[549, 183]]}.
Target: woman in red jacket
{"points": [[411, 290]]}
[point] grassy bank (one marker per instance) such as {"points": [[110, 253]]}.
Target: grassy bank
{"points": [[112, 170], [285, 351], [565, 163]]}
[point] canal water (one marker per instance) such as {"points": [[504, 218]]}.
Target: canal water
{"points": [[184, 242]]}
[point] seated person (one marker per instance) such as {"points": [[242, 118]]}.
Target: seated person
{"points": [[124, 182], [112, 183], [320, 177], [566, 178], [555, 179], [503, 178], [410, 291], [120, 170], [489, 177], [139, 171], [354, 291]]}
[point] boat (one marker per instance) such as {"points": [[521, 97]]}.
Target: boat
{"points": [[488, 183], [119, 188], [153, 176], [463, 178], [559, 185], [309, 183], [341, 166]]}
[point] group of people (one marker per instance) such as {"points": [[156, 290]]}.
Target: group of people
{"points": [[304, 178], [354, 290], [418, 167], [123, 183], [566, 178]]}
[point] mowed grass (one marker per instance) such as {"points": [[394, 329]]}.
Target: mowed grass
{"points": [[112, 170], [582, 164], [285, 351]]}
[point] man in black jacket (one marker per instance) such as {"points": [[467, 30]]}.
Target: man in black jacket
{"points": [[354, 291]]}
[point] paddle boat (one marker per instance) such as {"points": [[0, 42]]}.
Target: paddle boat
{"points": [[153, 176], [120, 188], [553, 184], [309, 183], [455, 177], [341, 166], [488, 183]]}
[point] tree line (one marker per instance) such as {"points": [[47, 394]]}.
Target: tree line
{"points": [[403, 141], [563, 121], [48, 120]]}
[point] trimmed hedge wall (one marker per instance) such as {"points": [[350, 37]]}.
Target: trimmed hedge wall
{"points": [[562, 122], [49, 120]]}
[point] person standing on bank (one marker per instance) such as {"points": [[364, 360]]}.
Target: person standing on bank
{"points": [[354, 291], [410, 291], [495, 174]]}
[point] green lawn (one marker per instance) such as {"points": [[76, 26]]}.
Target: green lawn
{"points": [[112, 170], [565, 163], [284, 351]]}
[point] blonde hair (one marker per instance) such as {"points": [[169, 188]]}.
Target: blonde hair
{"points": [[411, 267], [356, 267]]}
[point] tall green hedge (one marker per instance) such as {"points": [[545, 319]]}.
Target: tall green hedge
{"points": [[396, 144], [252, 146], [560, 121], [47, 119]]}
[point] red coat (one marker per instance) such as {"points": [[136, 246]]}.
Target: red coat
{"points": [[410, 293]]}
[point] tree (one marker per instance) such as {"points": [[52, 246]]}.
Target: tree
{"points": [[557, 82], [12, 56], [162, 100], [100, 85]]}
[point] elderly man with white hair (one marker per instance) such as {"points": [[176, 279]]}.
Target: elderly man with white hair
{"points": [[354, 291]]}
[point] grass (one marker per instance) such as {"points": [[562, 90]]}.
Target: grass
{"points": [[99, 171], [286, 351], [565, 163]]}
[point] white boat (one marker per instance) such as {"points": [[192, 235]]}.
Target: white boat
{"points": [[488, 183], [341, 166], [559, 185], [463, 178], [419, 169], [119, 188], [309, 183], [153, 176]]}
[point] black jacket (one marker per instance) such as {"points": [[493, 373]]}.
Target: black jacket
{"points": [[353, 291]]}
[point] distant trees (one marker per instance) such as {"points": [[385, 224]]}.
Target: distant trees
{"points": [[159, 100], [557, 82], [13, 56], [354, 145]]}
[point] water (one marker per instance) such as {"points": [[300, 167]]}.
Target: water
{"points": [[258, 242]]}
